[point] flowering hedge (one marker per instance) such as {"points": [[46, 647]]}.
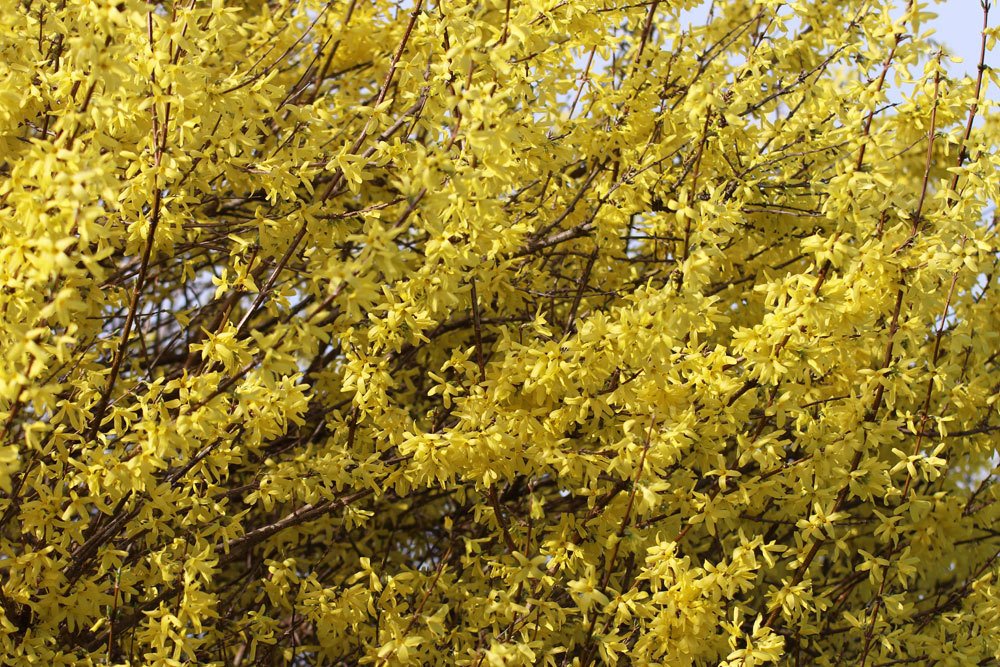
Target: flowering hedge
{"points": [[558, 332]]}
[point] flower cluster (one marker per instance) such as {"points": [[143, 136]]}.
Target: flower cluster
{"points": [[535, 332]]}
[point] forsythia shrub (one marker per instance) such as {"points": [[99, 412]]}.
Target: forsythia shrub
{"points": [[527, 332]]}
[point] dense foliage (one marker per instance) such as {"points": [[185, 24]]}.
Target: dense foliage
{"points": [[513, 332]]}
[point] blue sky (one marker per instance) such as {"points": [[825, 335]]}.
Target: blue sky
{"points": [[958, 27]]}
